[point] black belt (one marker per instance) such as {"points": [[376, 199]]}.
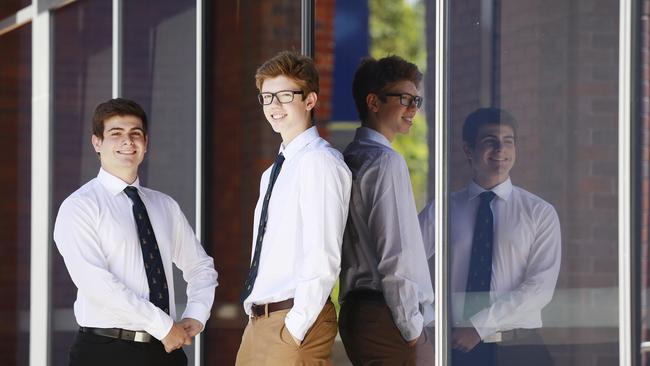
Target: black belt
{"points": [[118, 333], [365, 295]]}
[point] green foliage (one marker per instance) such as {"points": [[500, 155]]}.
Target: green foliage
{"points": [[397, 28]]}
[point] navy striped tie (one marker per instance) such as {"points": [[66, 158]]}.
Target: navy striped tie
{"points": [[158, 291], [252, 272], [480, 267]]}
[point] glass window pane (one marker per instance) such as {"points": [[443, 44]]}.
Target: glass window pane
{"points": [[159, 73], [82, 80], [239, 146], [15, 117], [553, 67], [346, 32]]}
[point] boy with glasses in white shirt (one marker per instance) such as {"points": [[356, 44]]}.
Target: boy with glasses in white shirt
{"points": [[297, 233]]}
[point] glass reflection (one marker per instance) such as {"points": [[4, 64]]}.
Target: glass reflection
{"points": [[15, 94], [82, 79], [159, 73], [505, 250], [505, 54]]}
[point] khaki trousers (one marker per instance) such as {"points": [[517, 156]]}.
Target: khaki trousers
{"points": [[267, 341], [370, 337]]}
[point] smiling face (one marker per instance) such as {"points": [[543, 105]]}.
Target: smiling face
{"points": [[288, 119], [493, 155], [388, 116], [123, 146]]}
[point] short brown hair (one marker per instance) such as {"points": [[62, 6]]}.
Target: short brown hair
{"points": [[116, 107], [484, 117], [299, 68], [375, 76]]}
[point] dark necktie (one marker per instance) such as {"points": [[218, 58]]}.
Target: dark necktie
{"points": [[158, 291], [479, 275], [252, 272]]}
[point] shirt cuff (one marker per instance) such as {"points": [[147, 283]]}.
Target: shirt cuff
{"points": [[198, 312], [295, 325], [478, 322], [160, 326], [412, 329]]}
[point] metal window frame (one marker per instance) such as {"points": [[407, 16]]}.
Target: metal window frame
{"points": [[628, 221], [442, 142], [307, 27], [199, 112], [41, 192]]}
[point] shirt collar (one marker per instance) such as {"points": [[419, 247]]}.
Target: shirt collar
{"points": [[502, 190], [372, 135], [299, 142], [113, 184]]}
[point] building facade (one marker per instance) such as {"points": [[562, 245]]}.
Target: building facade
{"points": [[575, 74]]}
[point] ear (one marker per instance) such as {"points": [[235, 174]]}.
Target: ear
{"points": [[311, 101], [97, 143], [468, 152], [372, 101]]}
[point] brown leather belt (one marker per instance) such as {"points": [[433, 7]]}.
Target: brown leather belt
{"points": [[266, 309], [118, 333]]}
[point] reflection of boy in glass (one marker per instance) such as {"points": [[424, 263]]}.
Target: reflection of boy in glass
{"points": [[298, 230], [505, 252], [385, 281]]}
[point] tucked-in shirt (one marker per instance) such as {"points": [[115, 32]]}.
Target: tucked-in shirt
{"points": [[97, 236], [301, 248], [525, 255], [383, 248]]}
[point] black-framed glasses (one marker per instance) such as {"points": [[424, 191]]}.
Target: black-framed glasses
{"points": [[284, 96], [406, 99]]}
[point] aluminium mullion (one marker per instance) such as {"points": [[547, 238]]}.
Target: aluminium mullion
{"points": [[624, 178], [198, 228], [441, 283], [40, 205], [116, 54]]}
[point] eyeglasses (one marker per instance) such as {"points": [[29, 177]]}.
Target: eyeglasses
{"points": [[406, 99], [284, 96]]}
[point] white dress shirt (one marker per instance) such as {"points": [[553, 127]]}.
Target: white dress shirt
{"points": [[525, 260], [383, 248], [301, 249], [96, 234]]}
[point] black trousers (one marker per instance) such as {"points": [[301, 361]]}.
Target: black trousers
{"points": [[90, 349], [529, 352]]}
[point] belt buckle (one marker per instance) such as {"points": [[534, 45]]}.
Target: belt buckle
{"points": [[256, 310], [493, 338], [141, 337]]}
